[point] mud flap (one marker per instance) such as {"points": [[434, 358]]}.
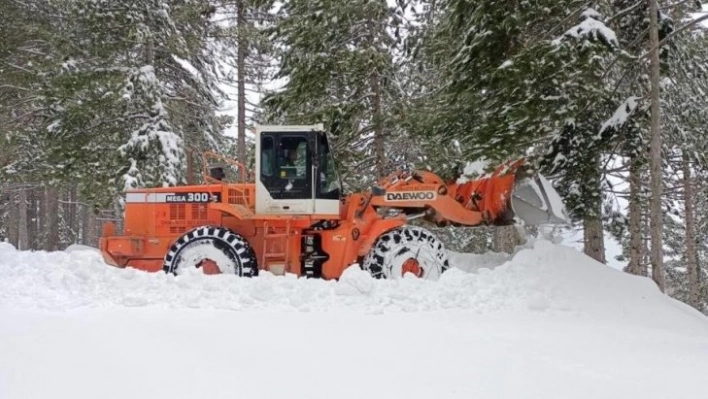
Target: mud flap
{"points": [[536, 202]]}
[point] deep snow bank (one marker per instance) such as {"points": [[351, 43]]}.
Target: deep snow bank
{"points": [[546, 323], [541, 278]]}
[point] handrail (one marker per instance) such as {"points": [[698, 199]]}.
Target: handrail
{"points": [[244, 173]]}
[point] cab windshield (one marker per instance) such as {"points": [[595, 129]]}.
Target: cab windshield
{"points": [[329, 185]]}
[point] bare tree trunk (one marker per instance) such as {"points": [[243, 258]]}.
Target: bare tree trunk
{"points": [[90, 237], [36, 214], [13, 219], [691, 252], [68, 210], [635, 222], [594, 238], [23, 241], [241, 81], [84, 211], [190, 164], [5, 201], [149, 48], [51, 218], [85, 225], [72, 220], [379, 144], [657, 253], [593, 231]]}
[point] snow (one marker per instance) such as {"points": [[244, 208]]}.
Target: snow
{"points": [[474, 170], [574, 238], [545, 322], [591, 27], [189, 68], [155, 129], [191, 254], [506, 64], [591, 13], [621, 114]]}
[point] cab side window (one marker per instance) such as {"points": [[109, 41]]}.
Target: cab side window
{"points": [[267, 156]]}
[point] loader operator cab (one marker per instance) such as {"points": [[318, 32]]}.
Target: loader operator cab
{"points": [[295, 171]]}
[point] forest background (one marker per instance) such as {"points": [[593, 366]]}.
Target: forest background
{"points": [[607, 98]]}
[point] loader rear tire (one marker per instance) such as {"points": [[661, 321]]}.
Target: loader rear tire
{"points": [[407, 249], [215, 250]]}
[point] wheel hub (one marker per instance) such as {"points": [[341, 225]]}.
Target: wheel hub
{"points": [[209, 267], [205, 256], [412, 265]]}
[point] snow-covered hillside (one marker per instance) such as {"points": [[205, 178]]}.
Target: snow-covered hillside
{"points": [[545, 323]]}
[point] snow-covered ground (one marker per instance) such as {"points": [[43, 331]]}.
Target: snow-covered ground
{"points": [[546, 323], [574, 238]]}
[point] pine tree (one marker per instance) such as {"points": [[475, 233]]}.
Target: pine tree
{"points": [[562, 106], [425, 61], [531, 80], [679, 85], [245, 60], [686, 155], [338, 62], [26, 31], [137, 77]]}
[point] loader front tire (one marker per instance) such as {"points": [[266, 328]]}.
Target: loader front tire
{"points": [[407, 249], [214, 250]]}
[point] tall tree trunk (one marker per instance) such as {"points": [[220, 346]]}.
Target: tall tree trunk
{"points": [[68, 211], [4, 211], [657, 252], [241, 81], [379, 144], [594, 238], [13, 218], [92, 229], [36, 213], [149, 48], [691, 251], [635, 265], [73, 222], [593, 231], [84, 225], [190, 164], [51, 218], [23, 241], [88, 229]]}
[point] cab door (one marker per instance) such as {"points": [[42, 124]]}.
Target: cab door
{"points": [[284, 168]]}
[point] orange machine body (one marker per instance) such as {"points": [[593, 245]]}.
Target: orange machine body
{"points": [[156, 217], [152, 227]]}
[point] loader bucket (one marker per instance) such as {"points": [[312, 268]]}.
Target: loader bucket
{"points": [[536, 202]]}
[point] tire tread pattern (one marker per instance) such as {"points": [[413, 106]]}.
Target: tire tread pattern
{"points": [[234, 246], [396, 240]]}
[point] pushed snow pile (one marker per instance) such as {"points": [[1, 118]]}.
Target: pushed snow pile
{"points": [[545, 323], [543, 277], [6, 247]]}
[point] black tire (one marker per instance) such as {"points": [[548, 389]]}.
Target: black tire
{"points": [[237, 256], [391, 249]]}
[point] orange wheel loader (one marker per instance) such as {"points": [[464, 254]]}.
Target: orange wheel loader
{"points": [[291, 216]]}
